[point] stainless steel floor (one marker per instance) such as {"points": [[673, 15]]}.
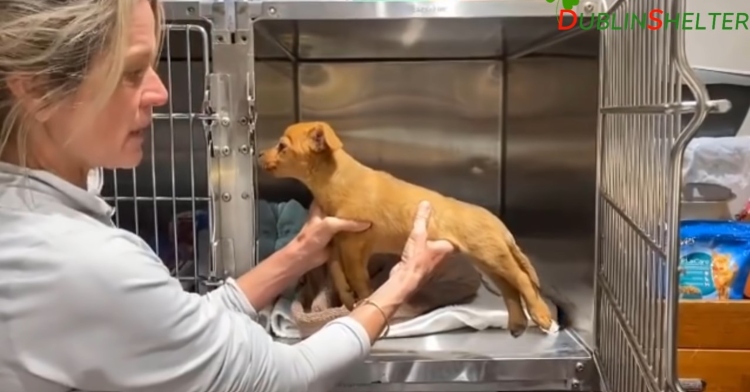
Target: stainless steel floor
{"points": [[484, 360]]}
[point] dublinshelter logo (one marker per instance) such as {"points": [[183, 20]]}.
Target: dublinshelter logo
{"points": [[655, 19]]}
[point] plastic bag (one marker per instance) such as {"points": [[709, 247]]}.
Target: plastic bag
{"points": [[714, 259]]}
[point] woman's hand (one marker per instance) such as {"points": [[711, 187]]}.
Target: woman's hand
{"points": [[317, 232], [418, 260], [420, 256], [307, 250]]}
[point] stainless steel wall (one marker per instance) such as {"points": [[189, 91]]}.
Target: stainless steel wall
{"points": [[519, 141], [551, 147], [550, 175], [441, 124], [437, 124]]}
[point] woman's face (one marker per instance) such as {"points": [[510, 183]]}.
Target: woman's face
{"points": [[113, 137]]}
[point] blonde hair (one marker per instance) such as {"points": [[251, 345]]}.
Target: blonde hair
{"points": [[53, 44]]}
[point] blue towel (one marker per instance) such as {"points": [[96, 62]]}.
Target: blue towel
{"points": [[267, 234], [291, 216]]}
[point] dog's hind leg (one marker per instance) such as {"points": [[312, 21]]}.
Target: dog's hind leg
{"points": [[498, 262], [517, 321], [312, 285], [355, 255], [340, 283]]}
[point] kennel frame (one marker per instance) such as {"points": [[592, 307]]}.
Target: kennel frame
{"points": [[230, 116]]}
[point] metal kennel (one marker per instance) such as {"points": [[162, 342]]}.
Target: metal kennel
{"points": [[574, 138]]}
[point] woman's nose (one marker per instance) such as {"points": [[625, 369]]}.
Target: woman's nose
{"points": [[155, 93]]}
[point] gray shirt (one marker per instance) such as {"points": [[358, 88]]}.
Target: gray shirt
{"points": [[87, 306]]}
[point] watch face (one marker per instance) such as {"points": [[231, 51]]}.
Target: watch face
{"points": [[95, 180]]}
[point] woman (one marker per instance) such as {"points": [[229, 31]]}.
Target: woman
{"points": [[86, 306]]}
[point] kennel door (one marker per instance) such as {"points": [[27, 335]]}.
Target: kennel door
{"points": [[641, 140], [165, 200]]}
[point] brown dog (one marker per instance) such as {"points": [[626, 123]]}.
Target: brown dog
{"points": [[312, 153]]}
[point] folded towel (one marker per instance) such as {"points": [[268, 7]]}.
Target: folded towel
{"points": [[454, 282], [264, 318], [281, 324], [267, 233]]}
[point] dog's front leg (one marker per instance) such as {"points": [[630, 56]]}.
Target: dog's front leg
{"points": [[355, 255], [311, 285], [340, 283]]}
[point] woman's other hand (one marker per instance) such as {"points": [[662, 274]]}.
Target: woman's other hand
{"points": [[420, 256], [318, 231]]}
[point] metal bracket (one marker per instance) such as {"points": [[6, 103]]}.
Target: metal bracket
{"points": [[230, 15], [223, 16]]}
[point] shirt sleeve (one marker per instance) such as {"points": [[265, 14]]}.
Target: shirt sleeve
{"points": [[230, 296], [112, 319]]}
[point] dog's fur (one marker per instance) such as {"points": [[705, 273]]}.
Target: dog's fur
{"points": [[312, 153]]}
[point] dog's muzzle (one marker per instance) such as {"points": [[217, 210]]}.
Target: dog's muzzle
{"points": [[263, 163]]}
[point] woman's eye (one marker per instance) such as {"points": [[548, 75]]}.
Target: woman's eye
{"points": [[135, 76]]}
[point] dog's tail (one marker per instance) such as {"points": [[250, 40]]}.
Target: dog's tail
{"points": [[524, 262]]}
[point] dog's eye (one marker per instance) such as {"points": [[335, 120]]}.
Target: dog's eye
{"points": [[281, 147]]}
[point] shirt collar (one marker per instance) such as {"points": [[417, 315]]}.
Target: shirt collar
{"points": [[39, 181]]}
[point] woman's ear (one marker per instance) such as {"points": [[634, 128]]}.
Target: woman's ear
{"points": [[19, 86], [22, 89]]}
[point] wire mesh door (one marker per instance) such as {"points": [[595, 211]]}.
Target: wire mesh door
{"points": [[641, 140], [165, 200]]}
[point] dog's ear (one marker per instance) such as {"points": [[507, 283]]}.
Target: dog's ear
{"points": [[322, 138]]}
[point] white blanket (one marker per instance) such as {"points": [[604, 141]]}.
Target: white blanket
{"points": [[487, 310]]}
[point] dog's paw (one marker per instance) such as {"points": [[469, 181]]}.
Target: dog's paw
{"points": [[553, 329], [348, 300], [543, 319], [517, 327], [516, 332]]}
